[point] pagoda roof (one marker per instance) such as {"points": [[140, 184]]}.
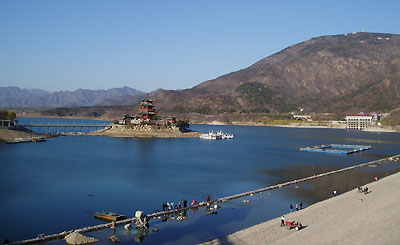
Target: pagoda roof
{"points": [[148, 99], [145, 103], [147, 112]]}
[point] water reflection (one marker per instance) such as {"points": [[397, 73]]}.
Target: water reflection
{"points": [[141, 234], [321, 188]]}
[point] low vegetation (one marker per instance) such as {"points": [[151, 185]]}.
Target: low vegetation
{"points": [[259, 98]]}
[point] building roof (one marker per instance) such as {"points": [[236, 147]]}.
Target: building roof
{"points": [[358, 115], [361, 114], [147, 99], [147, 113]]}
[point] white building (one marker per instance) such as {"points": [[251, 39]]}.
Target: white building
{"points": [[302, 117], [359, 121]]}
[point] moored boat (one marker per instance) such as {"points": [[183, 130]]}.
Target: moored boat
{"points": [[109, 216], [211, 136], [216, 136]]}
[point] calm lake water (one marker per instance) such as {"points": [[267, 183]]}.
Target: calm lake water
{"points": [[57, 185]]}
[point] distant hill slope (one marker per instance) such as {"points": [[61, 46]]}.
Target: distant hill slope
{"points": [[340, 73], [14, 96]]}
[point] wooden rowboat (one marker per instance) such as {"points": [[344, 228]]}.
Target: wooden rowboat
{"points": [[109, 216]]}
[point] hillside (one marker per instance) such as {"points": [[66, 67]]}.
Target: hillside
{"points": [[340, 73]]}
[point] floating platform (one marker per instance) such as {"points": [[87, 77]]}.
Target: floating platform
{"points": [[109, 216], [337, 148]]}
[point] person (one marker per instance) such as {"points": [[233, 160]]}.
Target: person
{"points": [[282, 221], [334, 192], [301, 205], [291, 207], [179, 204], [297, 207], [184, 203], [164, 207], [208, 198]]}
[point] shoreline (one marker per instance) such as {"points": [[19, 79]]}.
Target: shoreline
{"points": [[122, 132], [9, 136], [349, 218], [299, 125], [217, 123]]}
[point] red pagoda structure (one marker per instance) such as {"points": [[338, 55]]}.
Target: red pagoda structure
{"points": [[147, 108]]}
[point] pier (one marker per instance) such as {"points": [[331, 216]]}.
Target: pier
{"points": [[220, 200], [337, 148]]}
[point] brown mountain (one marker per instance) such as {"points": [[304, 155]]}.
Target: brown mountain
{"points": [[340, 73]]}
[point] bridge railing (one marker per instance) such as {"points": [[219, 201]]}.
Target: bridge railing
{"points": [[64, 127]]}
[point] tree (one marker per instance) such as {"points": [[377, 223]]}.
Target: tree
{"points": [[3, 114], [182, 124], [12, 115]]}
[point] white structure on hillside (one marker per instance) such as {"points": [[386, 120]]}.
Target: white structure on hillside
{"points": [[359, 121], [302, 117]]}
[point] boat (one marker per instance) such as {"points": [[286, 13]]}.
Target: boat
{"points": [[225, 136], [216, 136], [211, 136], [109, 216]]}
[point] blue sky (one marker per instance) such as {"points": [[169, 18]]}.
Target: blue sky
{"points": [[65, 45]]}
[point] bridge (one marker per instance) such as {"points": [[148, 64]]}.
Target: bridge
{"points": [[59, 126]]}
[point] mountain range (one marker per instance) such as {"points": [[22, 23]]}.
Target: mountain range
{"points": [[337, 73], [17, 97]]}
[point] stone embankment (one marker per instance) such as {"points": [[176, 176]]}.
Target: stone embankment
{"points": [[351, 218], [146, 131]]}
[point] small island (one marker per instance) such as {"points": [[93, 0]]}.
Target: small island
{"points": [[148, 125]]}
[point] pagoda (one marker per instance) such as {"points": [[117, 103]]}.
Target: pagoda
{"points": [[147, 108]]}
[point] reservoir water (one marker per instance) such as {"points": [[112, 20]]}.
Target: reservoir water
{"points": [[57, 185]]}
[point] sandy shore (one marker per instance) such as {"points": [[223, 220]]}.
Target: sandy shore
{"points": [[350, 218]]}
